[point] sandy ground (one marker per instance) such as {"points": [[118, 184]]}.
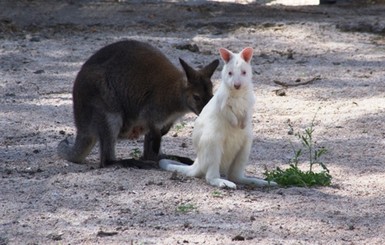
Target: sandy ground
{"points": [[47, 200]]}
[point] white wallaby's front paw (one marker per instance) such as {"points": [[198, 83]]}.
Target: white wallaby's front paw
{"points": [[222, 183]]}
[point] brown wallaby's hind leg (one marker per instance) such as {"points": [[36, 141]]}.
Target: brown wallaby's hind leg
{"points": [[77, 152], [107, 150], [108, 129], [151, 147], [181, 159], [152, 143], [149, 160]]}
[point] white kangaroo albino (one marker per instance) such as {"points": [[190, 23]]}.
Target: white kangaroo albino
{"points": [[222, 135]]}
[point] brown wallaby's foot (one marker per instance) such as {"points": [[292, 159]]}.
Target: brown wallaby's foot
{"points": [[133, 163], [184, 160]]}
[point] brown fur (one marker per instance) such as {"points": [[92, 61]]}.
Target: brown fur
{"points": [[127, 89]]}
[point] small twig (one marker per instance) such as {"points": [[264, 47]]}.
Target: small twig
{"points": [[297, 84], [106, 233]]}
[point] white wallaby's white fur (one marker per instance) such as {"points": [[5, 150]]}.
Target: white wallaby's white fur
{"points": [[222, 135]]}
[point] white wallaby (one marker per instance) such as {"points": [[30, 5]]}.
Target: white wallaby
{"points": [[222, 135]]}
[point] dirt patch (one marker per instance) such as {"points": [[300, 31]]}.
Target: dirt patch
{"points": [[46, 200]]}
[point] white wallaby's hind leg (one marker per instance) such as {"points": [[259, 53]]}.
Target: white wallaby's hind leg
{"points": [[213, 177], [222, 183], [210, 156], [237, 170]]}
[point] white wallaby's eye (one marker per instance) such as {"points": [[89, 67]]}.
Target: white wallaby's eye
{"points": [[230, 73], [243, 72]]}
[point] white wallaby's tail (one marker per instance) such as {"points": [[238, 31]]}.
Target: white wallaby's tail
{"points": [[170, 165]]}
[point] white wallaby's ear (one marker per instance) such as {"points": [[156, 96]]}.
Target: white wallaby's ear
{"points": [[225, 54], [247, 54]]}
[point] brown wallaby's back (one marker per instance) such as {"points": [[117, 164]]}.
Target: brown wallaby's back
{"points": [[130, 88]]}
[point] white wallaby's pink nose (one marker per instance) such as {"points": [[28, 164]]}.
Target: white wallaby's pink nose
{"points": [[237, 85]]}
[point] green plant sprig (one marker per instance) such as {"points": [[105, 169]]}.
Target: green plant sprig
{"points": [[294, 176]]}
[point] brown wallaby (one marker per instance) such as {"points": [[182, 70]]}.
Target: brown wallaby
{"points": [[128, 89]]}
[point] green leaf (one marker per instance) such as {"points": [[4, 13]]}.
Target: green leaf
{"points": [[305, 141]]}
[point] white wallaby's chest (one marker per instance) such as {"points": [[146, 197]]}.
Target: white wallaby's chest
{"points": [[215, 123]]}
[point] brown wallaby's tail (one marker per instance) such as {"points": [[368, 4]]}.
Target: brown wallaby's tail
{"points": [[77, 152]]}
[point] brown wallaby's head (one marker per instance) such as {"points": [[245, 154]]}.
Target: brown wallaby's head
{"points": [[200, 87]]}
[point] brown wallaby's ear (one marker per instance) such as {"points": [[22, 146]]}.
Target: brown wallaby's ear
{"points": [[190, 72], [247, 54], [225, 54], [209, 70]]}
